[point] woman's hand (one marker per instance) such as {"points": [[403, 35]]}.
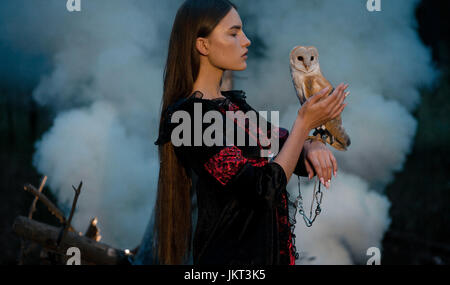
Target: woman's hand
{"points": [[320, 160], [316, 112]]}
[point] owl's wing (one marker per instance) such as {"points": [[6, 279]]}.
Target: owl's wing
{"points": [[322, 82], [301, 94], [299, 87], [315, 83]]}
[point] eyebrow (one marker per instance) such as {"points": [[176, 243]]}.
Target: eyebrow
{"points": [[236, 27]]}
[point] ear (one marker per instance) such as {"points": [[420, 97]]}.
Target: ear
{"points": [[202, 46]]}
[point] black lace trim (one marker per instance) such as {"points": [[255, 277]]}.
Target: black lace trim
{"points": [[286, 211], [292, 211]]}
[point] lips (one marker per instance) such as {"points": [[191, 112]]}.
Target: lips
{"points": [[245, 53]]}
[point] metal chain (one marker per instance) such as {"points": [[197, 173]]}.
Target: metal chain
{"points": [[317, 196]]}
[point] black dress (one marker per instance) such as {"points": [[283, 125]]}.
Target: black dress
{"points": [[243, 205]]}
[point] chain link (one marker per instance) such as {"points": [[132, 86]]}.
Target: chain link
{"points": [[317, 196]]}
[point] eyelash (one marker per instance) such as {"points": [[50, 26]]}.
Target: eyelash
{"points": [[234, 35]]}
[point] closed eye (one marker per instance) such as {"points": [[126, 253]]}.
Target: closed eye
{"points": [[236, 27]]}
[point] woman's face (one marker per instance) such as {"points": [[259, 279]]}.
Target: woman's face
{"points": [[228, 43]]}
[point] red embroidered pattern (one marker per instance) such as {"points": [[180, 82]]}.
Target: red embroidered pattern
{"points": [[280, 133], [285, 226], [233, 107], [258, 161], [225, 164], [228, 162]]}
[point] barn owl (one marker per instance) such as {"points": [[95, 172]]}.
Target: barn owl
{"points": [[308, 80]]}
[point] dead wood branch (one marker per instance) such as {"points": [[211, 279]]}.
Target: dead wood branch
{"points": [[50, 206], [46, 236], [30, 216], [36, 198], [93, 231], [72, 211]]}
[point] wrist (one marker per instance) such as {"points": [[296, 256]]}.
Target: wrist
{"points": [[303, 122], [316, 138]]}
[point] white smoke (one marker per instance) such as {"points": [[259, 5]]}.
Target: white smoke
{"points": [[353, 218], [106, 86], [91, 144], [381, 57]]}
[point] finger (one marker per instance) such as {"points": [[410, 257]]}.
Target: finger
{"points": [[341, 87], [318, 168], [339, 103], [309, 169], [332, 99], [334, 162], [339, 111], [335, 92], [340, 94], [316, 97], [328, 168], [323, 170]]}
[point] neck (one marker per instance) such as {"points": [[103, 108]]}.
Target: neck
{"points": [[208, 80]]}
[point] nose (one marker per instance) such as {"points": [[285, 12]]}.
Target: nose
{"points": [[247, 42]]}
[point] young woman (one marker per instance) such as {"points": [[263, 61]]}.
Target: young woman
{"points": [[242, 202]]}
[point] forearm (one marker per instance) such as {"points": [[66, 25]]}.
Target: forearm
{"points": [[289, 154]]}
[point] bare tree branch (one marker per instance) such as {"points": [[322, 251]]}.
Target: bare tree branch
{"points": [[50, 206], [30, 216], [36, 198], [47, 236], [72, 211], [93, 231]]}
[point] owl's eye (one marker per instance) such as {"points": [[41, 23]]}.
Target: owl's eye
{"points": [[312, 58], [300, 58]]}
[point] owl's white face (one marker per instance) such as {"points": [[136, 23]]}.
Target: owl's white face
{"points": [[305, 59]]}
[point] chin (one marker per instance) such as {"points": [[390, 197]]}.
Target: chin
{"points": [[234, 66], [239, 68]]}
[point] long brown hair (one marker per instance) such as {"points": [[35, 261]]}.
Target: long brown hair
{"points": [[173, 227]]}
